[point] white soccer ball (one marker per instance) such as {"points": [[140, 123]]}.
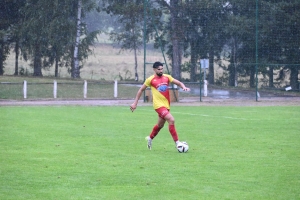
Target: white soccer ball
{"points": [[182, 147]]}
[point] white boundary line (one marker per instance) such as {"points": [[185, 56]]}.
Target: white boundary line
{"points": [[203, 115], [227, 117]]}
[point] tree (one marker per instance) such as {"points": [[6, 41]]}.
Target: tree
{"points": [[240, 30], [196, 29], [129, 33], [279, 38], [61, 36], [75, 67], [288, 19], [205, 32], [35, 32], [15, 31], [9, 18], [50, 34], [128, 30], [270, 50], [176, 35], [173, 33]]}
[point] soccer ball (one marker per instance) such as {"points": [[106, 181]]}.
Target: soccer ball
{"points": [[182, 147]]}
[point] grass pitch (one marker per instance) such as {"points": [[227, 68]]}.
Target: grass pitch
{"points": [[78, 152]]}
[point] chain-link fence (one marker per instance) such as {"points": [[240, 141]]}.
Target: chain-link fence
{"points": [[252, 50]]}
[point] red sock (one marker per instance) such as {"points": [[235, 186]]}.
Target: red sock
{"points": [[173, 132], [155, 131]]}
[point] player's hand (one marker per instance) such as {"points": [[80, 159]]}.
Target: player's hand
{"points": [[132, 107], [186, 89]]}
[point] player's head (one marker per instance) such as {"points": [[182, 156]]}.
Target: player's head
{"points": [[157, 64], [158, 68]]}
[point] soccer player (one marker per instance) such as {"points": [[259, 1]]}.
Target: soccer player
{"points": [[159, 84]]}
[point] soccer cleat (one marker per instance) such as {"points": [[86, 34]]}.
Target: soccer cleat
{"points": [[149, 142]]}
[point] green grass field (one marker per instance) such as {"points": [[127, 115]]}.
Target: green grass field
{"points": [[91, 152]]}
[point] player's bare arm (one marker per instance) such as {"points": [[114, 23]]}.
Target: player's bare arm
{"points": [[181, 85], [138, 96]]}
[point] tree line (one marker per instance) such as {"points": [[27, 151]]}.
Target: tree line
{"points": [[262, 33], [47, 33]]}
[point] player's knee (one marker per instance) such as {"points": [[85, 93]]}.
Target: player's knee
{"points": [[160, 126], [171, 121]]}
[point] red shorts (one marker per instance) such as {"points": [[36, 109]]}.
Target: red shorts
{"points": [[162, 112]]}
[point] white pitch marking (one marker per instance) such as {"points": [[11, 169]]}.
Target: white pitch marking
{"points": [[202, 115], [211, 116]]}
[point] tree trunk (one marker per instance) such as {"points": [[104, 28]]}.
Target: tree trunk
{"points": [[193, 71], [176, 55], [76, 69], [136, 76], [211, 75], [271, 76], [56, 66], [232, 66], [1, 57], [231, 71], [135, 66], [17, 58], [37, 62], [294, 77], [176, 60], [252, 77]]}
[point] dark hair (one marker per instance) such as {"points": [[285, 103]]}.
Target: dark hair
{"points": [[157, 64]]}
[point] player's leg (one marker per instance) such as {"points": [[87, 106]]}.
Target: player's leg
{"points": [[170, 119], [160, 124], [165, 114], [155, 130], [162, 112]]}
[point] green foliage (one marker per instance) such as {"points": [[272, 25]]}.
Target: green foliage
{"points": [[50, 33], [187, 67], [280, 43], [100, 153], [130, 19], [129, 31], [9, 12], [23, 72], [190, 29]]}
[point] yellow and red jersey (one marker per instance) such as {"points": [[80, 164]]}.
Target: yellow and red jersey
{"points": [[160, 90]]}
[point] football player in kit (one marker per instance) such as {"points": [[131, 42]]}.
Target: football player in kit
{"points": [[159, 84]]}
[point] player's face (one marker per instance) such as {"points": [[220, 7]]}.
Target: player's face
{"points": [[159, 71]]}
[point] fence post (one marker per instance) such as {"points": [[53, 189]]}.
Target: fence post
{"points": [[25, 89], [54, 89], [116, 89], [205, 88], [84, 89]]}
